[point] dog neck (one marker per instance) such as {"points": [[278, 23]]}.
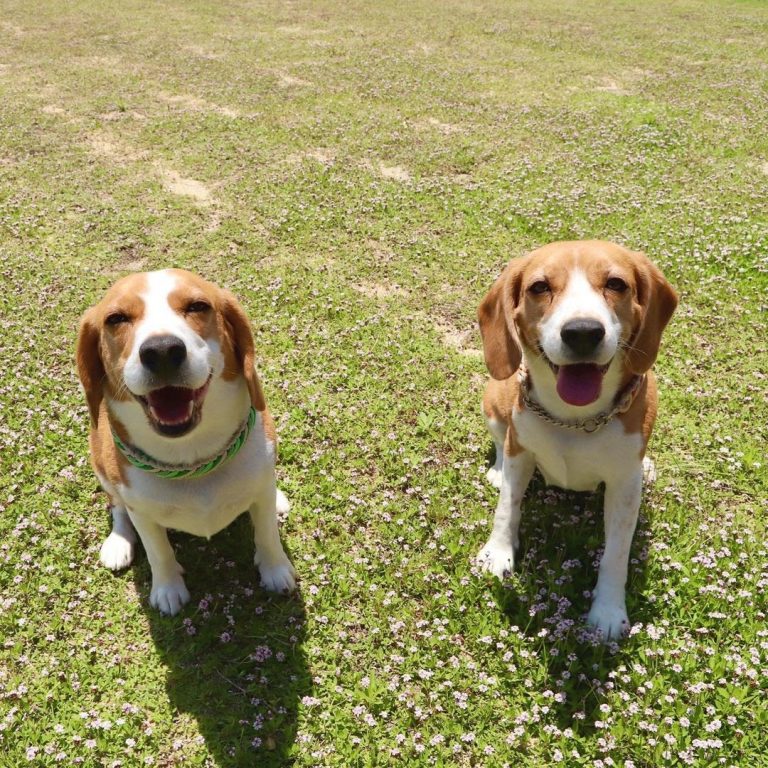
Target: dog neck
{"points": [[224, 411], [542, 386]]}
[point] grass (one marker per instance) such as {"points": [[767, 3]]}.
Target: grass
{"points": [[363, 172]]}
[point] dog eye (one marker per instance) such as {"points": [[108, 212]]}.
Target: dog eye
{"points": [[198, 306], [116, 318], [539, 287], [616, 284]]}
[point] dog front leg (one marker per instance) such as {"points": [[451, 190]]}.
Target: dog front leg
{"points": [[497, 556], [277, 573], [117, 550], [169, 592], [621, 507]]}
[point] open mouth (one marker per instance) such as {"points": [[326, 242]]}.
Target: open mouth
{"points": [[174, 411], [578, 383]]}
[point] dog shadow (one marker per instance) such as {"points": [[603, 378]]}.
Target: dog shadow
{"points": [[234, 655], [548, 596]]}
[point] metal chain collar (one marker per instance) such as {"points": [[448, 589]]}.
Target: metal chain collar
{"points": [[144, 461], [593, 423]]}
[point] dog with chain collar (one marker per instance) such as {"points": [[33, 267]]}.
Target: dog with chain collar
{"points": [[570, 333]]}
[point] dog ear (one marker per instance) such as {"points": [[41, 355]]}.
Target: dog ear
{"points": [[657, 300], [500, 345], [239, 329], [90, 367]]}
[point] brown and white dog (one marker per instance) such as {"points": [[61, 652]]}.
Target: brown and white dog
{"points": [[570, 333], [180, 433]]}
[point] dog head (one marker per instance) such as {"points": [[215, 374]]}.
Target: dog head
{"points": [[158, 343], [577, 307]]}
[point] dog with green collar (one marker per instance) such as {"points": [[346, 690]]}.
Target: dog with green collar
{"points": [[180, 436]]}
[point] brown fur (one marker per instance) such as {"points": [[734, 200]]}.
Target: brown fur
{"points": [[500, 400], [101, 349], [106, 459], [239, 351], [641, 415]]}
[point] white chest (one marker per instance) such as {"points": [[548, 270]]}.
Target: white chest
{"points": [[203, 506], [577, 460]]}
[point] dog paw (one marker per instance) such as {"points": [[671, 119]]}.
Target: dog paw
{"points": [[649, 471], [494, 477], [280, 577], [116, 552], [282, 505], [169, 596], [610, 619], [496, 559]]}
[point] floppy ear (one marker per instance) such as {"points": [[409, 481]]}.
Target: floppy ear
{"points": [[500, 346], [657, 300], [89, 365], [239, 329]]}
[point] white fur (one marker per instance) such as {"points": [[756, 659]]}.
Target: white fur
{"points": [[498, 554], [201, 506], [118, 548], [499, 431]]}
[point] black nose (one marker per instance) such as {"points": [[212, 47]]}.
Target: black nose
{"points": [[163, 355], [582, 336]]}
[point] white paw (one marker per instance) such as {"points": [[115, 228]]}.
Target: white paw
{"points": [[116, 552], [169, 596], [494, 477], [282, 505], [609, 618], [649, 471], [496, 559], [278, 578]]}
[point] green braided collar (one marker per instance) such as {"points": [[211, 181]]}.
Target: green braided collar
{"points": [[175, 472]]}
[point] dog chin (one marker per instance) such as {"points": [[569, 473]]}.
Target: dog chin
{"points": [[174, 411]]}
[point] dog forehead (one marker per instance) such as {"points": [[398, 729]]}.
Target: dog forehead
{"points": [[188, 282], [125, 294], [592, 258]]}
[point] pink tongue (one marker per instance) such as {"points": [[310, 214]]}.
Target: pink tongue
{"points": [[171, 404], [579, 384]]}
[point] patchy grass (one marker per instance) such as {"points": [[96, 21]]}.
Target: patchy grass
{"points": [[358, 173]]}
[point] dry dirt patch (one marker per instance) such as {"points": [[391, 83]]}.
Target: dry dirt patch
{"points": [[127, 263], [122, 114], [395, 172], [179, 185], [12, 29], [463, 341], [112, 149], [204, 53], [289, 81], [432, 123], [321, 155], [609, 85], [375, 290], [189, 103]]}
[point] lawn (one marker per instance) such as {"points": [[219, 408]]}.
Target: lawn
{"points": [[358, 173]]}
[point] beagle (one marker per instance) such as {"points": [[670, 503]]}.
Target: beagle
{"points": [[180, 433], [570, 333]]}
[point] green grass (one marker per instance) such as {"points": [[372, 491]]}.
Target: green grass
{"points": [[370, 168]]}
